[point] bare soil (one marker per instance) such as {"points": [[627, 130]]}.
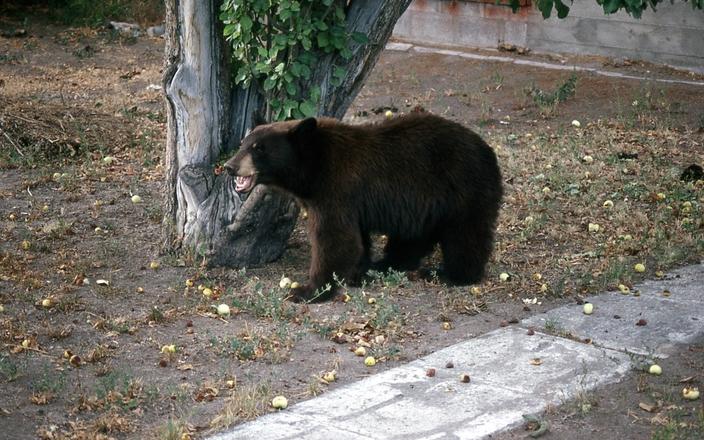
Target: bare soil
{"points": [[70, 98]]}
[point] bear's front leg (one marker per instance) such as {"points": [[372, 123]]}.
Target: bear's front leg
{"points": [[337, 248]]}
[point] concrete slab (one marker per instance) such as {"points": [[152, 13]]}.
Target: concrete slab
{"points": [[613, 322], [404, 403], [512, 373], [685, 286]]}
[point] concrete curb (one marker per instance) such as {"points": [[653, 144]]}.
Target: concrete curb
{"points": [[513, 371]]}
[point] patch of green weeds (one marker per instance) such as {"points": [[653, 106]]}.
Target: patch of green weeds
{"points": [[10, 370], [548, 101], [266, 303], [49, 381]]}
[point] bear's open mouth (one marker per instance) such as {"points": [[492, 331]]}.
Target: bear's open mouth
{"points": [[244, 183]]}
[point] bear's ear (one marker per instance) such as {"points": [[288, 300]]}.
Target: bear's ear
{"points": [[304, 129]]}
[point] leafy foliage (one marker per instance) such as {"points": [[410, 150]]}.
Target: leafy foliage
{"points": [[276, 44], [633, 7]]}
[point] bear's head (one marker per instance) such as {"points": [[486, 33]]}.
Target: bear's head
{"points": [[274, 154]]}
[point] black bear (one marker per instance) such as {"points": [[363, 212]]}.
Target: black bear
{"points": [[419, 179]]}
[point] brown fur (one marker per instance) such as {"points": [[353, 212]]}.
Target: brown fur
{"points": [[420, 179]]}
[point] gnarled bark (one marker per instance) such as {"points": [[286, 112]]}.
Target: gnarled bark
{"points": [[207, 116]]}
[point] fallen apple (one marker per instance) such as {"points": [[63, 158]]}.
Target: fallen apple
{"points": [[690, 393], [2, 308], [223, 310], [587, 159], [154, 265], [295, 285], [474, 290], [46, 302], [593, 227], [330, 376], [25, 245], [136, 199], [588, 308], [624, 289], [655, 369], [608, 204], [189, 283], [285, 282], [504, 276], [207, 292], [639, 267], [360, 351], [446, 326], [279, 402], [166, 349], [369, 361], [576, 123], [371, 301], [75, 360]]}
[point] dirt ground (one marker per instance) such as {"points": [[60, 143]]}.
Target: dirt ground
{"points": [[143, 355]]}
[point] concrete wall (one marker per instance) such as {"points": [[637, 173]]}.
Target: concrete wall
{"points": [[673, 35]]}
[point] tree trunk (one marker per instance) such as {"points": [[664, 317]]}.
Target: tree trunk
{"points": [[207, 117]]}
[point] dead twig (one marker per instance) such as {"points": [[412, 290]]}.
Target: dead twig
{"points": [[13, 144]]}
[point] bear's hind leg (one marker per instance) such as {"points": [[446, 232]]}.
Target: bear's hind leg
{"points": [[465, 251], [403, 255]]}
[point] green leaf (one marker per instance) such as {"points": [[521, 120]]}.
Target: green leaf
{"points": [[229, 30], [315, 93], [246, 23], [269, 84], [611, 6], [323, 40], [545, 7], [339, 72], [359, 37], [562, 9], [307, 108], [295, 69]]}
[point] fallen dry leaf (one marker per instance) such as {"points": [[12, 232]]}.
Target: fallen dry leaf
{"points": [[647, 407], [536, 361]]}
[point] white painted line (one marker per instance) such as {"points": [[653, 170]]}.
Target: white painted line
{"points": [[540, 64]]}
